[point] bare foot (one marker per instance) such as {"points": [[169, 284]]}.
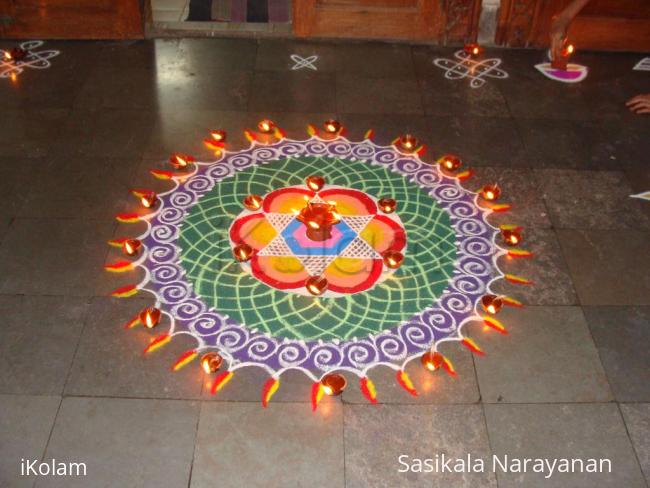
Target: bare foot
{"points": [[639, 104]]}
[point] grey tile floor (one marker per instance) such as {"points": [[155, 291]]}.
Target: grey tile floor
{"points": [[570, 380]]}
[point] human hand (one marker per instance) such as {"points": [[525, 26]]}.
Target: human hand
{"points": [[639, 104], [558, 36]]}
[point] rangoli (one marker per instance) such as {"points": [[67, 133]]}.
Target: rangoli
{"points": [[324, 255], [466, 66], [15, 61]]}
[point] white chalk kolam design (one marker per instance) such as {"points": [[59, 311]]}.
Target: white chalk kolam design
{"points": [[475, 270], [33, 60], [478, 71], [642, 65], [304, 63]]}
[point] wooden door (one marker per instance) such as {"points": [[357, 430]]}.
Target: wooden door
{"points": [[71, 19], [437, 20], [602, 24]]}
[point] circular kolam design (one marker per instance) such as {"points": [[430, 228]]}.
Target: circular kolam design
{"points": [[229, 257]]}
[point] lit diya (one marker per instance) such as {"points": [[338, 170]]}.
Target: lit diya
{"points": [[149, 199], [408, 143], [490, 192], [333, 384], [319, 219], [131, 247], [431, 360], [450, 162], [218, 135], [266, 126], [211, 362], [150, 317], [316, 285], [16, 54], [180, 161], [332, 126], [473, 49], [491, 304], [315, 182], [387, 205], [253, 202]]}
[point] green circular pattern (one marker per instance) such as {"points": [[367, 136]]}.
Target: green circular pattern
{"points": [[219, 280]]}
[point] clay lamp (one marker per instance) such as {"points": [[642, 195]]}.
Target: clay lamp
{"points": [[266, 126], [211, 362], [319, 219], [332, 126], [431, 360], [387, 205], [490, 192], [149, 199], [150, 317], [491, 304], [218, 135], [16, 54], [408, 143], [562, 61], [131, 247], [393, 259], [473, 49], [242, 252], [511, 237], [333, 384], [450, 163], [316, 285], [253, 202], [315, 182], [180, 161]]}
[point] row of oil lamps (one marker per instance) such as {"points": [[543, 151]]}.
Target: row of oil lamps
{"points": [[332, 384]]}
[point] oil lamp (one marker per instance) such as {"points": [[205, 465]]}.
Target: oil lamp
{"points": [[218, 135], [333, 384], [131, 247], [491, 304], [149, 199], [563, 59], [431, 360], [393, 259], [150, 317], [253, 202], [315, 182], [316, 285], [180, 161], [387, 205], [332, 126], [319, 219], [491, 192], [473, 49], [408, 143], [450, 162], [242, 252], [16, 54], [511, 237], [211, 362], [266, 126]]}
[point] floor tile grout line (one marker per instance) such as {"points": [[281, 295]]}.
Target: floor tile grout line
{"points": [[634, 450], [489, 438], [196, 434], [49, 437], [86, 318]]}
